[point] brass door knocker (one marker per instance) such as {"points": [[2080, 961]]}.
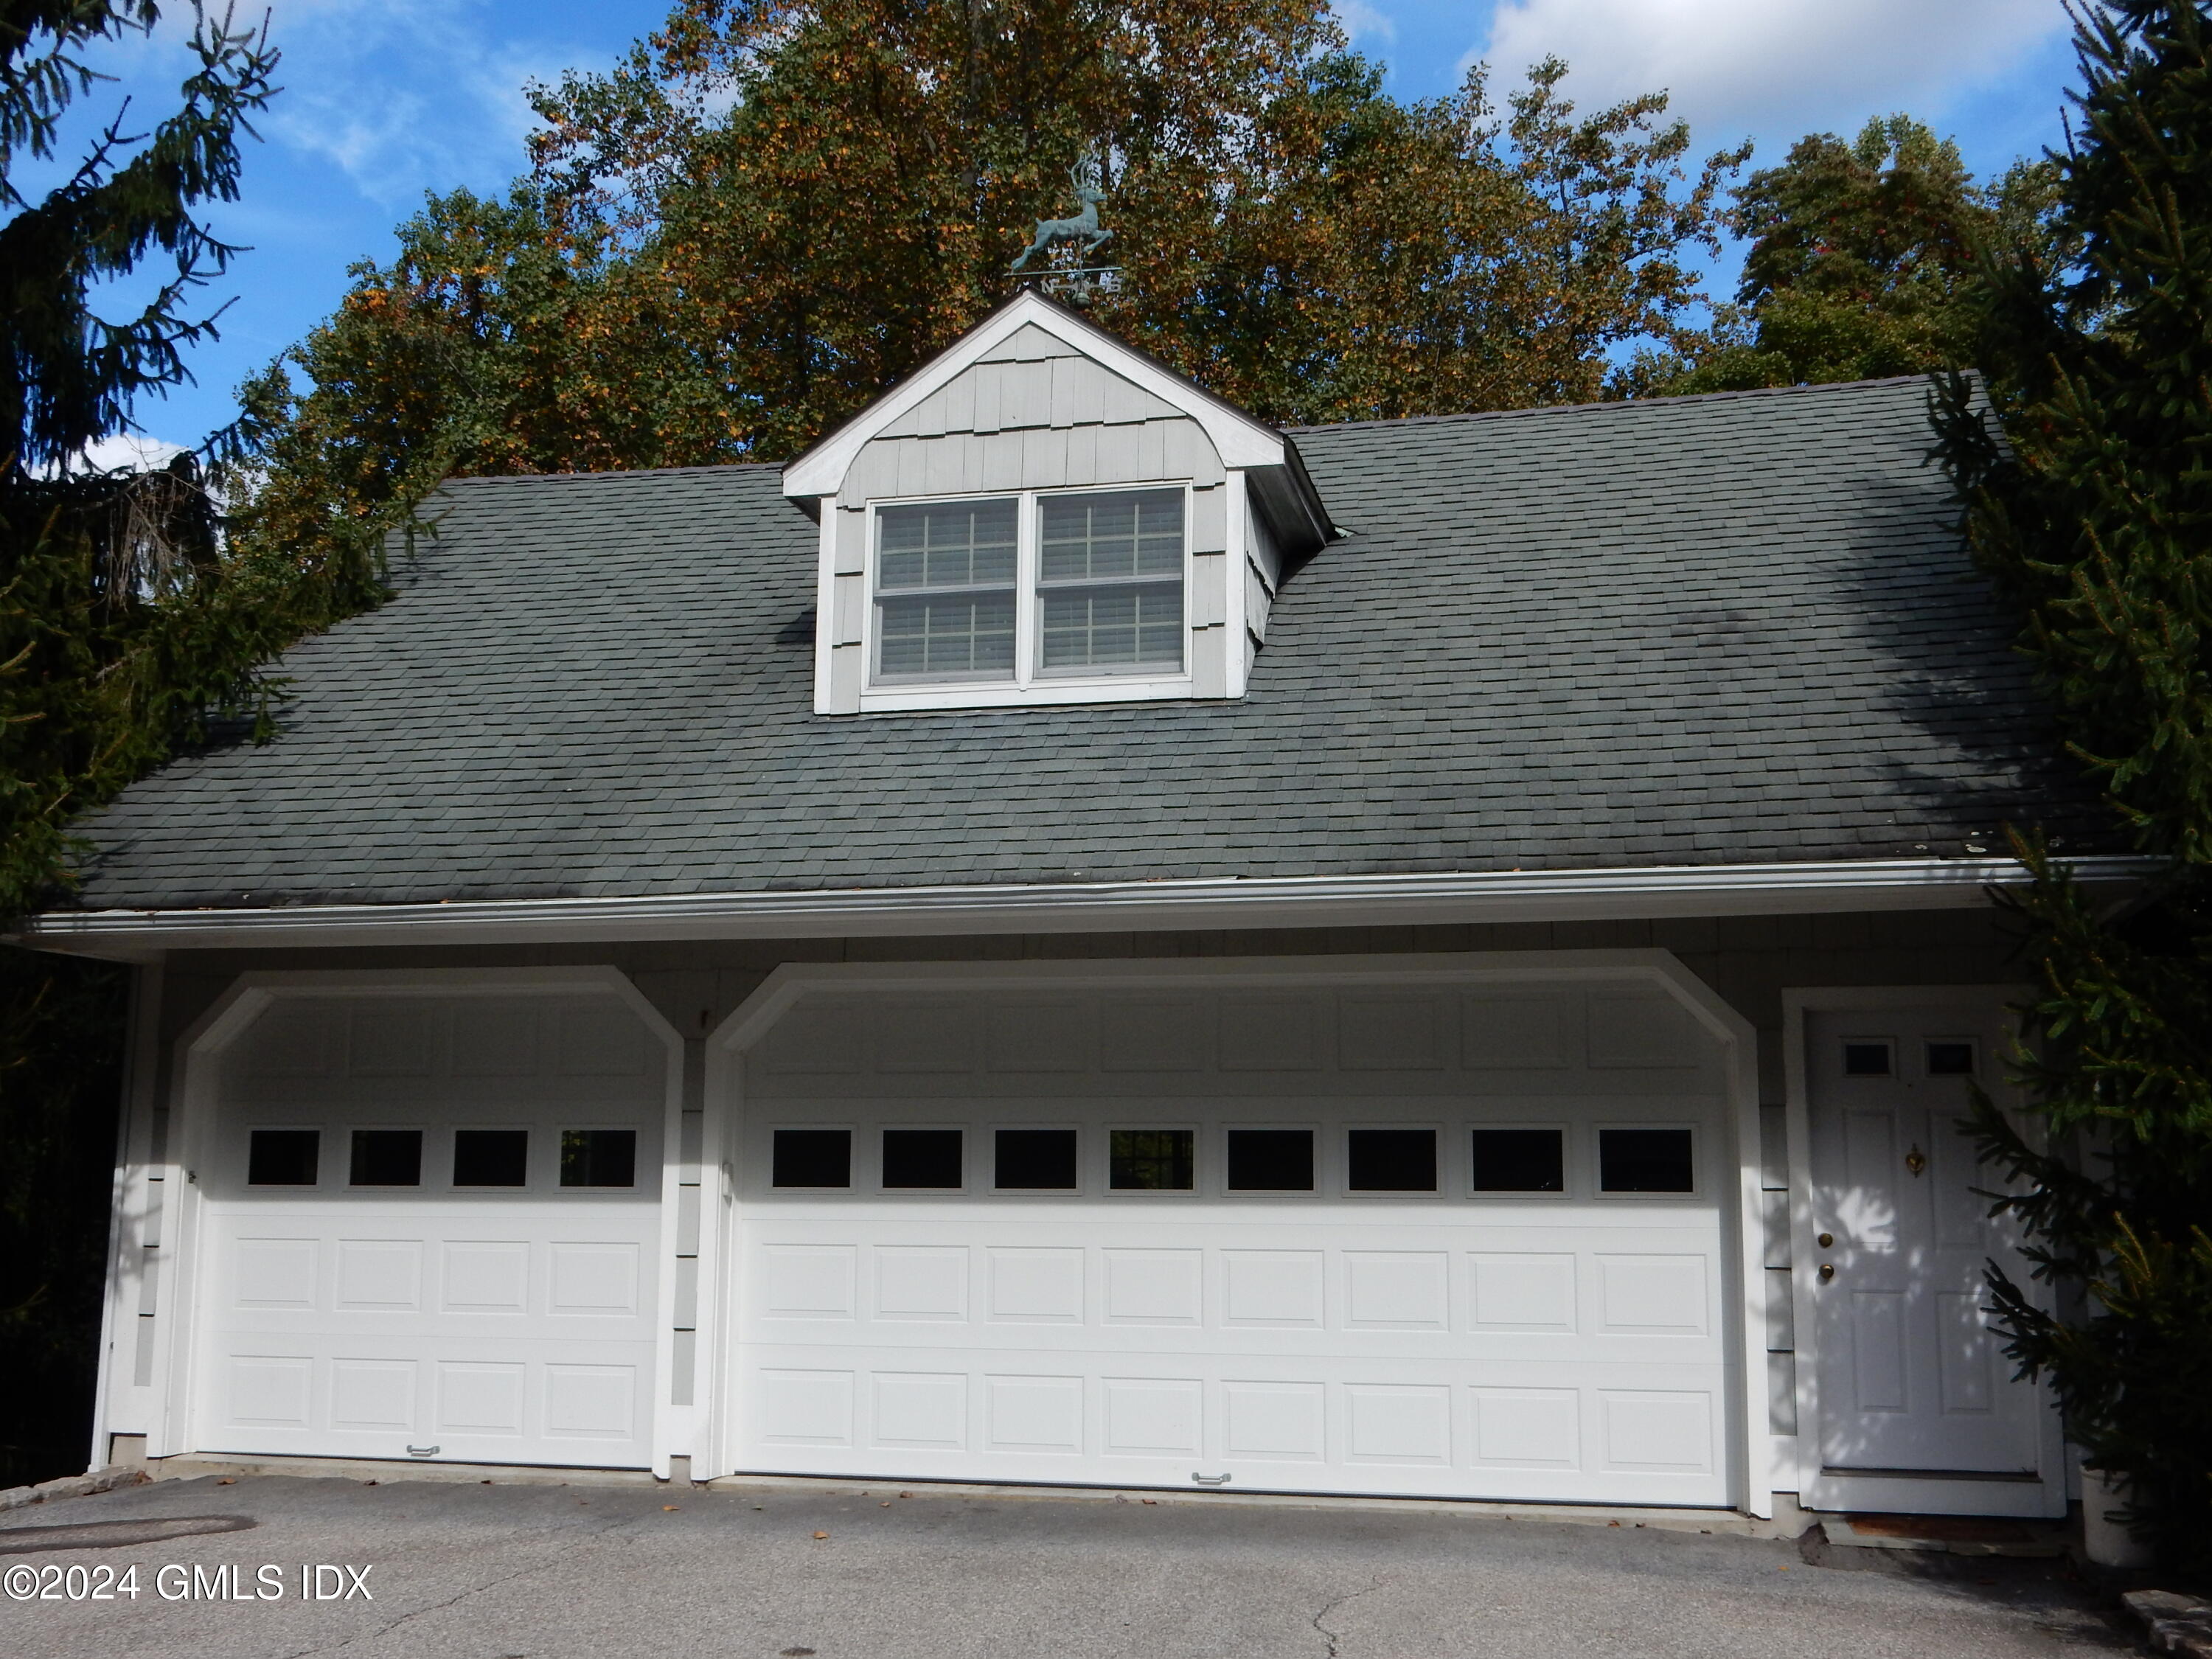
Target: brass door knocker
{"points": [[1916, 1160]]}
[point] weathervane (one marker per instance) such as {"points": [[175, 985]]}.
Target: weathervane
{"points": [[1078, 238]]}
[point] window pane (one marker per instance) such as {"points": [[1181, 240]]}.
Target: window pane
{"points": [[1110, 537], [1866, 1059], [282, 1157], [922, 1158], [1271, 1160], [598, 1157], [1645, 1161], [1950, 1060], [490, 1157], [1036, 1160], [812, 1158], [970, 635], [1111, 627], [1393, 1160], [387, 1157], [1520, 1161], [946, 545], [1151, 1160]]}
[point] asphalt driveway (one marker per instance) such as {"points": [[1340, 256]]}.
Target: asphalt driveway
{"points": [[487, 1571]]}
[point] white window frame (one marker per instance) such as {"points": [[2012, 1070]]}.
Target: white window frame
{"points": [[1028, 685], [1570, 1187], [421, 1183], [1180, 1194], [1699, 1190], [532, 1152]]}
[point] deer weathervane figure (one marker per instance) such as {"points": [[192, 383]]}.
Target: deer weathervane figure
{"points": [[1081, 230]]}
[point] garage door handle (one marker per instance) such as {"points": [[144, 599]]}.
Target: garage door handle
{"points": [[1209, 1479], [421, 1451]]}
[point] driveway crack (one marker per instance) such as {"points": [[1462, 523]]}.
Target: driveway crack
{"points": [[1334, 1637], [459, 1596]]}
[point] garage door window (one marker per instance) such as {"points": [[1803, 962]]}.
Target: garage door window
{"points": [[491, 1157], [1391, 1160], [1270, 1160], [387, 1157], [282, 1157], [812, 1158], [1646, 1161], [1034, 1160], [923, 1160], [1151, 1160], [598, 1157], [1520, 1161]]}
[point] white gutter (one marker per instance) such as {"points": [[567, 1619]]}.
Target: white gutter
{"points": [[1070, 907]]}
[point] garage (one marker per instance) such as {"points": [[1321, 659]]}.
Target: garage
{"points": [[1407, 1232], [428, 1226]]}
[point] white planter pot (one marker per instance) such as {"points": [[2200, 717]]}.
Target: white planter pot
{"points": [[2106, 1542]]}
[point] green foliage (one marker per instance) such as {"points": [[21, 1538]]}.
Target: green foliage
{"points": [[1861, 264], [2092, 515], [126, 617]]}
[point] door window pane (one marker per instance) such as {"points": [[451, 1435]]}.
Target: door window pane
{"points": [[922, 1158], [944, 591], [1520, 1161], [1110, 582], [1271, 1160], [1392, 1160], [1952, 1058], [1035, 1160], [1646, 1161], [387, 1157], [490, 1157], [1151, 1160], [598, 1157], [812, 1158], [282, 1157], [1866, 1059]]}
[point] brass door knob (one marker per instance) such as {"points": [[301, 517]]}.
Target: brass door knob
{"points": [[1827, 1272]]}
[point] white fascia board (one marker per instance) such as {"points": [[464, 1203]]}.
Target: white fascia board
{"points": [[1070, 907], [1242, 440]]}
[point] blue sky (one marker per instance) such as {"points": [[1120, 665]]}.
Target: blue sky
{"points": [[385, 100]]}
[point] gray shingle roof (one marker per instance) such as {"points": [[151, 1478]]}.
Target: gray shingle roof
{"points": [[1724, 629]]}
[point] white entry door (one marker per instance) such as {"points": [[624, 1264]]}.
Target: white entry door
{"points": [[1426, 1242], [430, 1230], [1912, 1381]]}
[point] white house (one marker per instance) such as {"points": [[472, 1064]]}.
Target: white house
{"points": [[1070, 936]]}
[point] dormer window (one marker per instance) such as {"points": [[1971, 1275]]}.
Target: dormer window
{"points": [[1043, 515], [1111, 583], [1015, 589], [945, 590]]}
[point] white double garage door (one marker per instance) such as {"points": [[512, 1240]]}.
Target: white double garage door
{"points": [[1154, 1319], [1498, 1272]]}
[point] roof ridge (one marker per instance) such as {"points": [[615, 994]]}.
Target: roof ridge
{"points": [[611, 472], [1614, 403]]}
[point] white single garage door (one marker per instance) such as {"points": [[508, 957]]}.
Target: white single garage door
{"points": [[431, 1231], [1427, 1240]]}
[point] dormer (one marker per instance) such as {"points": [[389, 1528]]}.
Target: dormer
{"points": [[1043, 515]]}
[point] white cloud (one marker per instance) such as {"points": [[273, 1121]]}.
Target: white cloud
{"points": [[1364, 22], [1771, 67], [131, 450], [405, 95]]}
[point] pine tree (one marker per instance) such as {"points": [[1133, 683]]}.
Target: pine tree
{"points": [[119, 627], [2095, 514]]}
